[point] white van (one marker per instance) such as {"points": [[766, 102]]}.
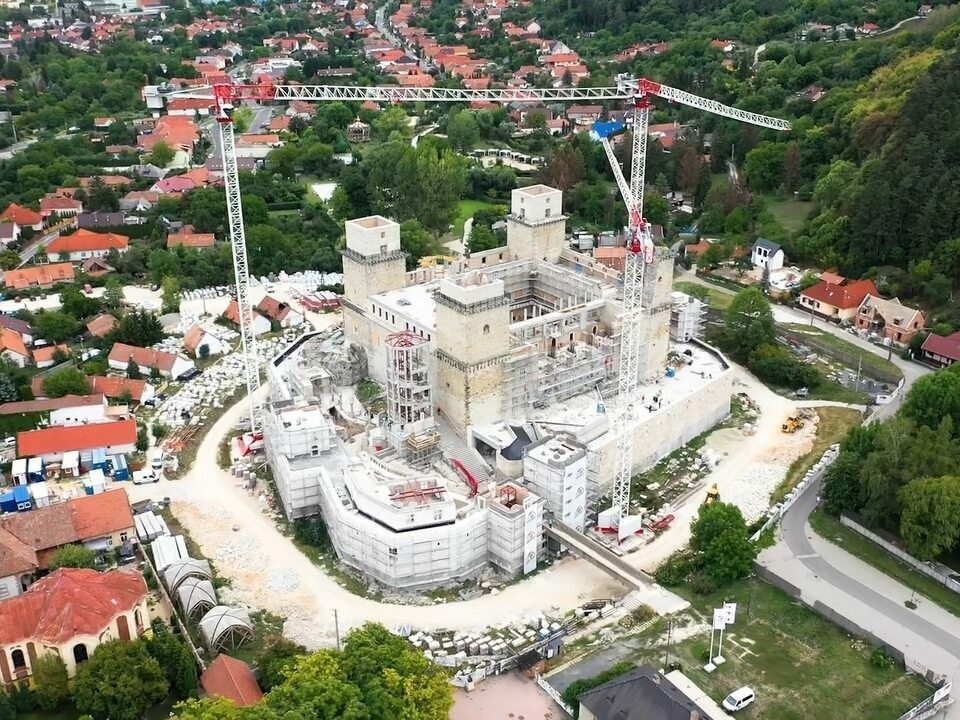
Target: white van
{"points": [[145, 477], [738, 699], [156, 460]]}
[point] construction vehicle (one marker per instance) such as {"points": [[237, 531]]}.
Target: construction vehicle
{"points": [[792, 424], [636, 93], [713, 495]]}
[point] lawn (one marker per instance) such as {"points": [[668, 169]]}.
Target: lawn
{"points": [[871, 361], [800, 666], [791, 214], [836, 392], [717, 299], [465, 210], [833, 427], [829, 528]]}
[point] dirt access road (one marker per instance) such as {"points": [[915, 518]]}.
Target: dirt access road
{"points": [[267, 571]]}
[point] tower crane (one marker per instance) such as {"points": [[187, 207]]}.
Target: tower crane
{"points": [[635, 92]]}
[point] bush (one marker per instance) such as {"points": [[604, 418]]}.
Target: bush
{"points": [[775, 365], [676, 569], [311, 531], [880, 659], [703, 583], [579, 687]]}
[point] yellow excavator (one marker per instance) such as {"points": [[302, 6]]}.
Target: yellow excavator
{"points": [[792, 424], [713, 495]]}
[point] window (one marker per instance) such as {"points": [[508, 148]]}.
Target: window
{"points": [[392, 551], [383, 249], [438, 514], [138, 619], [19, 661], [123, 537], [314, 451], [486, 329], [546, 213]]}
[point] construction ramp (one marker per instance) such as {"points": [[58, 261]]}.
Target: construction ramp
{"points": [[645, 590]]}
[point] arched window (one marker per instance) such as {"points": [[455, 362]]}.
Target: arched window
{"points": [[138, 619], [486, 329], [79, 653], [19, 661]]}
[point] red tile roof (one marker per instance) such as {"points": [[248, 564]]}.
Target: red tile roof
{"points": [[13, 341], [193, 337], [196, 240], [101, 325], [40, 275], [144, 357], [47, 404], [76, 437], [15, 555], [96, 516], [232, 679], [843, 296], [87, 241], [67, 603], [273, 308], [22, 216], [114, 387], [46, 353], [948, 347]]}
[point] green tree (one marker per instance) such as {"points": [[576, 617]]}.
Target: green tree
{"points": [[930, 515], [161, 155], [7, 710], [242, 117], [882, 474], [176, 660], [934, 397], [51, 682], [143, 439], [841, 484], [749, 323], [113, 294], [55, 326], [170, 292], [462, 131], [217, 708], [764, 166], [119, 681], [68, 381], [720, 535], [74, 556], [392, 120], [133, 370], [74, 302], [277, 655], [416, 242], [141, 328]]}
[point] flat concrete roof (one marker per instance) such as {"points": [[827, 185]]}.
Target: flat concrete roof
{"points": [[414, 303]]}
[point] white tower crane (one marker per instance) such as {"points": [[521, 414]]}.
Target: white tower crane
{"points": [[634, 91]]}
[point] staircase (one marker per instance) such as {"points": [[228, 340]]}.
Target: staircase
{"points": [[453, 446], [632, 601]]}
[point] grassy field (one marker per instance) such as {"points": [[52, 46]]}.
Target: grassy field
{"points": [[791, 214], [836, 392], [829, 528], [871, 361], [833, 427], [465, 210], [718, 299], [800, 666]]}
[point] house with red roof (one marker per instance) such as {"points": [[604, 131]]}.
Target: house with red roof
{"points": [[84, 244], [837, 301], [279, 312], [117, 388], [70, 613], [231, 679], [261, 324], [41, 276], [199, 337], [24, 217], [59, 206], [13, 347], [193, 240], [941, 351], [118, 437], [167, 364]]}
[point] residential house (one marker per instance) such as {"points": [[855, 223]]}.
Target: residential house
{"points": [[260, 323], [23, 217], [232, 679], [939, 350], [813, 93], [174, 185], [584, 114], [25, 329], [868, 28], [95, 267], [214, 165], [46, 356], [139, 200], [57, 206], [645, 694], [13, 348], [189, 107], [86, 221], [724, 46], [837, 301], [101, 325], [279, 312], [613, 257], [766, 254], [198, 337], [102, 123], [70, 613], [9, 232], [66, 410], [890, 319], [193, 240], [139, 391], [695, 250], [257, 145], [167, 364], [665, 133], [84, 244], [119, 437]]}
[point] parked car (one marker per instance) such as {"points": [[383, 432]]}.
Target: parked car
{"points": [[738, 699]]}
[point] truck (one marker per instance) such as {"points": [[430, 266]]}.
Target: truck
{"points": [[156, 460], [145, 476]]}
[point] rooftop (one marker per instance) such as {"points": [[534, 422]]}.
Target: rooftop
{"points": [[232, 679], [373, 221], [414, 303], [77, 437], [641, 694]]}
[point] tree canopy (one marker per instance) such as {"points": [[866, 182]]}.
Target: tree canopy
{"points": [[720, 535], [68, 381], [120, 681]]}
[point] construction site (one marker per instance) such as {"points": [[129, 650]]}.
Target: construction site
{"points": [[500, 376]]}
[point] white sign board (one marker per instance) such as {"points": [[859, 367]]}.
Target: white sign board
{"points": [[719, 619], [729, 613]]}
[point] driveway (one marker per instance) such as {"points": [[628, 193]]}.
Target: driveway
{"points": [[929, 636]]}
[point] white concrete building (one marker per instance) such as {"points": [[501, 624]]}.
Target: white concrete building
{"points": [[766, 254], [686, 317], [555, 468]]}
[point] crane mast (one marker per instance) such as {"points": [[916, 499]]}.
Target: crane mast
{"points": [[636, 92]]}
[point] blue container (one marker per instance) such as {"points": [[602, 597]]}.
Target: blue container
{"points": [[21, 495], [671, 372], [99, 459], [120, 469], [7, 502]]}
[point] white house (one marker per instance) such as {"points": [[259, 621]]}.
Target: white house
{"points": [[766, 254], [198, 337], [167, 364]]}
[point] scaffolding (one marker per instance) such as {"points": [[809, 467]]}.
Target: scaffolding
{"points": [[409, 403], [687, 317]]}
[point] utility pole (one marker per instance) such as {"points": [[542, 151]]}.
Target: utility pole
{"points": [[336, 626], [666, 652], [859, 368]]}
